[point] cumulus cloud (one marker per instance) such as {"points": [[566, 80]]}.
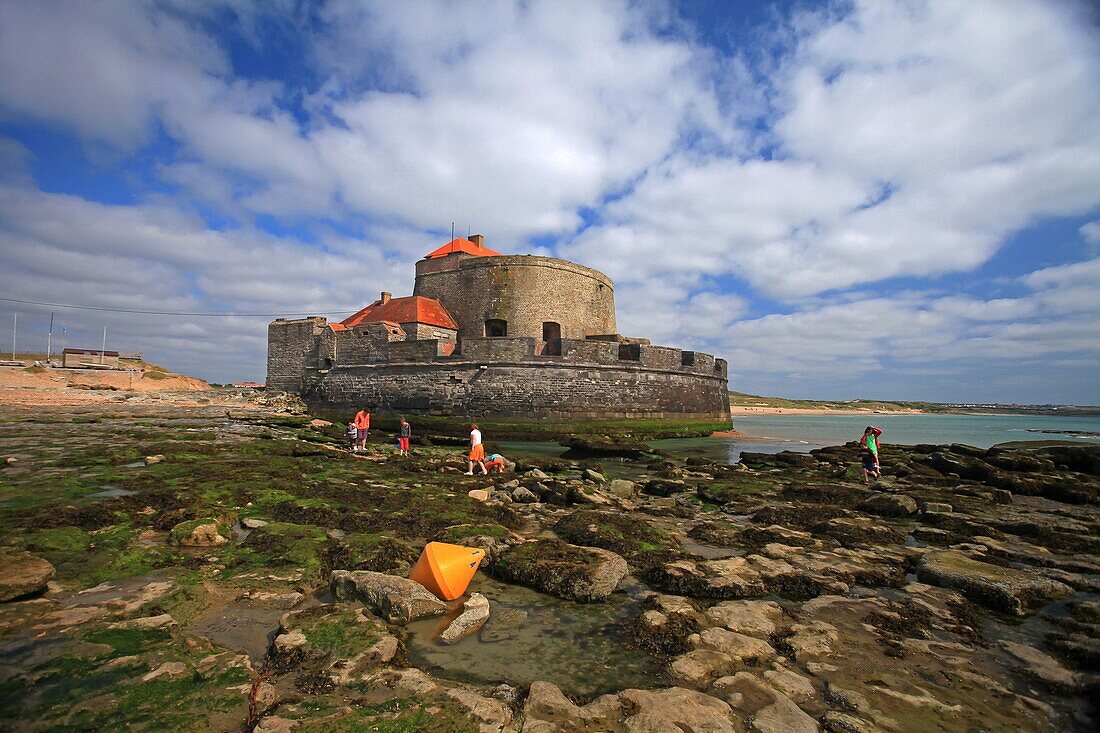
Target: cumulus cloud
{"points": [[911, 139], [884, 343], [62, 248], [759, 201]]}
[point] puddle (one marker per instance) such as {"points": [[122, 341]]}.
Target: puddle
{"points": [[241, 628], [110, 490], [531, 636], [1033, 629]]}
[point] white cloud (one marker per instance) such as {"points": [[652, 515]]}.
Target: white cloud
{"points": [[1091, 234], [65, 249], [873, 141], [912, 138], [100, 68]]}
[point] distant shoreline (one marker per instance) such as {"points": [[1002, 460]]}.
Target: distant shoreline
{"points": [[746, 410]]}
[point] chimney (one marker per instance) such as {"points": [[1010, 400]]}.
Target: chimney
{"points": [[385, 297], [478, 239]]}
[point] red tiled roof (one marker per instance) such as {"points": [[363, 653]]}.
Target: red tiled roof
{"points": [[411, 309], [461, 245]]}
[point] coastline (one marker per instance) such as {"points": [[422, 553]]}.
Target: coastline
{"points": [[746, 410]]}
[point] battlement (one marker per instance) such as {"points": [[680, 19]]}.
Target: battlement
{"points": [[321, 349]]}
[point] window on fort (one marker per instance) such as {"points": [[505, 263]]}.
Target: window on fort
{"points": [[326, 363], [496, 327], [551, 334], [687, 358], [630, 352]]}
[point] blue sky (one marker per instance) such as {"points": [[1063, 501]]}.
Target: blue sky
{"points": [[879, 199]]}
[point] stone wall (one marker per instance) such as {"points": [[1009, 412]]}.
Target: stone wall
{"points": [[523, 290], [291, 348], [419, 331], [492, 377], [526, 390]]}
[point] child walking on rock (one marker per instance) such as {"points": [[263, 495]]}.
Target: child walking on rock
{"points": [[868, 453], [477, 452], [403, 440]]}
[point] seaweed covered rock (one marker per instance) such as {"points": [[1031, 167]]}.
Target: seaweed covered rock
{"points": [[334, 645], [397, 599], [599, 446], [22, 574], [563, 570], [200, 533], [858, 532], [613, 531], [890, 505], [1003, 589]]}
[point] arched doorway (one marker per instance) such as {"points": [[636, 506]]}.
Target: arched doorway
{"points": [[551, 334]]}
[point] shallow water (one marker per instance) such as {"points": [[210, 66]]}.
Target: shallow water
{"points": [[981, 431], [110, 490], [802, 433], [719, 450], [531, 636]]}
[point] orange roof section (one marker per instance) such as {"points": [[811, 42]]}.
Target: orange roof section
{"points": [[410, 309], [460, 244]]}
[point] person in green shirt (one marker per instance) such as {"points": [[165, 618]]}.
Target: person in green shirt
{"points": [[868, 453]]}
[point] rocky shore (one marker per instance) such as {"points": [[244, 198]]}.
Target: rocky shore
{"points": [[192, 569]]}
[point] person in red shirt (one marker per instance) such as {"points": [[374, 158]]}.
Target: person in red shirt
{"points": [[362, 428]]}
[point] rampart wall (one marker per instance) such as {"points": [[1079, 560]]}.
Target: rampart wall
{"points": [[493, 377]]}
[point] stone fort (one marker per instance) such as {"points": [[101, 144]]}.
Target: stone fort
{"points": [[492, 335]]}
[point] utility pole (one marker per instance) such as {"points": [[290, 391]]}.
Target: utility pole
{"points": [[49, 342], [103, 348], [14, 330]]}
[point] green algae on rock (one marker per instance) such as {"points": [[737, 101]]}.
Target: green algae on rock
{"points": [[563, 570], [1001, 588]]}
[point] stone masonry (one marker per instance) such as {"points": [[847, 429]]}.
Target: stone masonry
{"points": [[561, 358]]}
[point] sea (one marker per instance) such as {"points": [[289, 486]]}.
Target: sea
{"points": [[772, 433]]}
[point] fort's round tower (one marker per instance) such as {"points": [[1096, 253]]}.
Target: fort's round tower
{"points": [[518, 296]]}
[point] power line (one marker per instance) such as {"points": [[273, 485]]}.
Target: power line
{"points": [[170, 313]]}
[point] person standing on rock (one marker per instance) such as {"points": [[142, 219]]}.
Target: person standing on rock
{"points": [[403, 440], [868, 453], [477, 452], [362, 427]]}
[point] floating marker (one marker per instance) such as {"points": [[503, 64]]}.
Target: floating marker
{"points": [[446, 570]]}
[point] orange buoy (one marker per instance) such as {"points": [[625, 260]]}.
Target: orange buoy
{"points": [[446, 570]]}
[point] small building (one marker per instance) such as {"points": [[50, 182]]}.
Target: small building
{"points": [[89, 359], [417, 316], [249, 385]]}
